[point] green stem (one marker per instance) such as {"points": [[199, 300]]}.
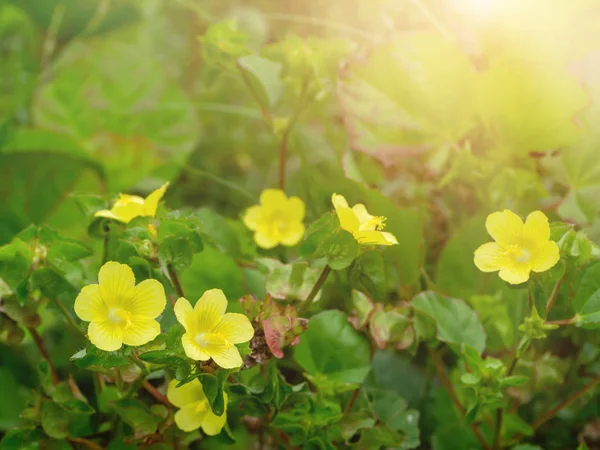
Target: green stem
{"points": [[497, 440], [264, 109], [315, 290], [553, 295], [39, 342], [175, 281]]}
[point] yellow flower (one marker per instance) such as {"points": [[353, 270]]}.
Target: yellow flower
{"points": [[120, 312], [209, 332], [365, 228], [519, 247], [128, 207], [277, 220], [195, 410]]}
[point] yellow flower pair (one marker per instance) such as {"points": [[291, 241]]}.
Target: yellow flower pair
{"points": [[120, 313], [278, 220]]}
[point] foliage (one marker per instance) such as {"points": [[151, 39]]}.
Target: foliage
{"points": [[200, 145]]}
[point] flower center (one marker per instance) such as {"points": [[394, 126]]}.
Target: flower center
{"points": [[200, 406], [523, 256], [119, 315], [374, 223], [209, 339]]}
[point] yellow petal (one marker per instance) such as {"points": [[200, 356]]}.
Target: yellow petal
{"points": [[292, 233], [339, 201], [505, 227], [89, 305], [151, 202], [227, 357], [273, 198], [294, 209], [106, 335], [183, 395], [516, 274], [128, 207], [210, 309], [185, 314], [253, 217], [348, 220], [213, 424], [545, 256], [489, 257], [236, 328], [116, 282], [190, 417], [375, 238], [148, 299], [266, 240], [537, 227], [140, 331], [108, 214], [360, 211], [192, 349]]}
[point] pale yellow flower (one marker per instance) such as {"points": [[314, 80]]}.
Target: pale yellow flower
{"points": [[519, 248], [128, 207], [194, 409], [120, 312], [365, 228], [209, 332], [277, 220]]}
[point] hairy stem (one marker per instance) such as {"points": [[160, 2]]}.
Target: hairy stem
{"points": [[155, 393], [70, 320], [553, 295], [315, 290], [352, 400], [441, 373], [39, 342], [175, 282], [497, 440]]}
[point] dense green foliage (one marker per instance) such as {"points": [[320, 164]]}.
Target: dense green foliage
{"points": [[432, 113]]}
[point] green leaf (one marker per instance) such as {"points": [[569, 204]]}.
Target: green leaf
{"points": [[330, 347], [218, 231], [137, 416], [265, 77], [15, 259], [367, 274], [588, 285], [160, 357], [289, 281], [391, 327], [176, 251], [92, 356], [494, 314], [55, 421], [316, 233], [339, 248], [456, 323], [588, 315], [51, 283], [513, 380]]}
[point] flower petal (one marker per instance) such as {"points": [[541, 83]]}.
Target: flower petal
{"points": [[266, 240], [505, 227], [294, 209], [116, 282], [183, 395], [213, 424], [192, 349], [210, 309], [253, 217], [339, 201], [142, 330], [227, 357], [148, 299], [151, 202], [348, 220], [489, 257], [106, 335], [292, 233], [185, 314], [190, 417], [545, 256], [236, 328], [516, 274], [273, 198], [537, 227], [361, 213], [108, 214], [89, 305], [128, 207], [375, 238]]}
